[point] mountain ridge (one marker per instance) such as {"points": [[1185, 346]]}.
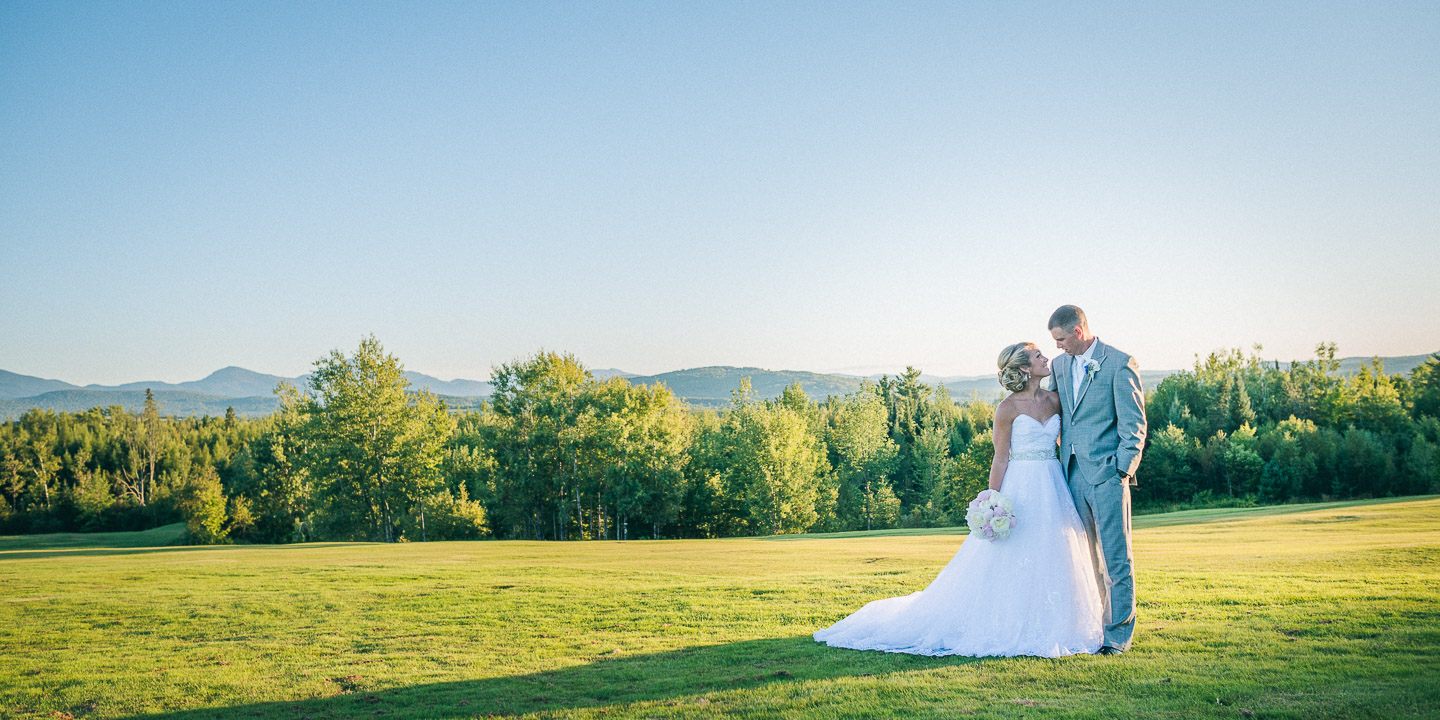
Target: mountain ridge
{"points": [[252, 393], [229, 381]]}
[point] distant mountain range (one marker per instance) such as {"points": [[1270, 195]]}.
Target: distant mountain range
{"points": [[227, 382], [252, 394], [711, 385], [182, 403], [249, 392], [1400, 365]]}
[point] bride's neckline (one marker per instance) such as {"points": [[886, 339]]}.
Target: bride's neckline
{"points": [[1037, 422]]}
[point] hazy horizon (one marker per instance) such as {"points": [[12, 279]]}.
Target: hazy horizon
{"points": [[859, 371]]}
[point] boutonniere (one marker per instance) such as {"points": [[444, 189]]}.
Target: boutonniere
{"points": [[1091, 367]]}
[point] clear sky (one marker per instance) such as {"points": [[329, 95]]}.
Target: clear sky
{"points": [[654, 186]]}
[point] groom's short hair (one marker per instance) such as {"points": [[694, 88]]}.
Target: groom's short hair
{"points": [[1067, 318]]}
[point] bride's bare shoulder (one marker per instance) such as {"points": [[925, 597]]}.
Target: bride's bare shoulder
{"points": [[1053, 399], [1006, 410]]}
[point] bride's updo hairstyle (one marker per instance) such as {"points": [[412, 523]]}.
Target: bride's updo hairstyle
{"points": [[1014, 361]]}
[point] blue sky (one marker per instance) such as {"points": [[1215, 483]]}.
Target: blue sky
{"points": [[653, 186]]}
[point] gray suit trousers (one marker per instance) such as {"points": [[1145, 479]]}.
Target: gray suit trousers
{"points": [[1105, 512]]}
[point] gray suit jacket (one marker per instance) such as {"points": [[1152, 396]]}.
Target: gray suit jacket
{"points": [[1105, 430]]}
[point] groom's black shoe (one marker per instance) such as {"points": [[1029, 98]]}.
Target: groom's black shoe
{"points": [[1107, 650]]}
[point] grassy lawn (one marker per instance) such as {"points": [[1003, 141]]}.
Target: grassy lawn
{"points": [[1300, 611]]}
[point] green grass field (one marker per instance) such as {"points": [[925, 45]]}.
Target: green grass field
{"points": [[1303, 611]]}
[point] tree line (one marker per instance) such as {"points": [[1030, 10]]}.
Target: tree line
{"points": [[556, 454], [1241, 430]]}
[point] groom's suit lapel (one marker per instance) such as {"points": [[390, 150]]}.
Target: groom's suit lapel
{"points": [[1099, 359]]}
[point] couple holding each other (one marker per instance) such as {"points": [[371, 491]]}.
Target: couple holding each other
{"points": [[1061, 583]]}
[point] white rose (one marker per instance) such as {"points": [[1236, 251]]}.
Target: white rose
{"points": [[1000, 524]]}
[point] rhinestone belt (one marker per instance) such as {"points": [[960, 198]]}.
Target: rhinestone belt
{"points": [[1032, 455]]}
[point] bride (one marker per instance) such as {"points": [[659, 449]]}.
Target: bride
{"points": [[1032, 593]]}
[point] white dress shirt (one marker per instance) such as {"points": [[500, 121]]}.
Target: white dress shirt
{"points": [[1077, 373]]}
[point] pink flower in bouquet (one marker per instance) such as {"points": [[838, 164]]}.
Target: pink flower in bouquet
{"points": [[990, 515]]}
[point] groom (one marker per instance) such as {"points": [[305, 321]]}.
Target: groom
{"points": [[1102, 428]]}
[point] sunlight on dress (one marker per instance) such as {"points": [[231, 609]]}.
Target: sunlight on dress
{"points": [[1032, 593]]}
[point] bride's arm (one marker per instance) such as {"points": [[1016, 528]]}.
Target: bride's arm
{"points": [[1056, 408], [1000, 433]]}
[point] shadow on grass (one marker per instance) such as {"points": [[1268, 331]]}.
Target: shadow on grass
{"points": [[163, 536], [94, 552], [104, 551], [677, 677]]}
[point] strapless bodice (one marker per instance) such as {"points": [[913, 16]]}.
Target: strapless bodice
{"points": [[1031, 439]]}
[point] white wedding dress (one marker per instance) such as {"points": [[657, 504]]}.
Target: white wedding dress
{"points": [[1032, 593]]}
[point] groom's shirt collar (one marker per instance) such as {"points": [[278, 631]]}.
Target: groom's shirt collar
{"points": [[1077, 372], [1078, 361]]}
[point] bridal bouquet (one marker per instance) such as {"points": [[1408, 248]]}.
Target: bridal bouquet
{"points": [[991, 515]]}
